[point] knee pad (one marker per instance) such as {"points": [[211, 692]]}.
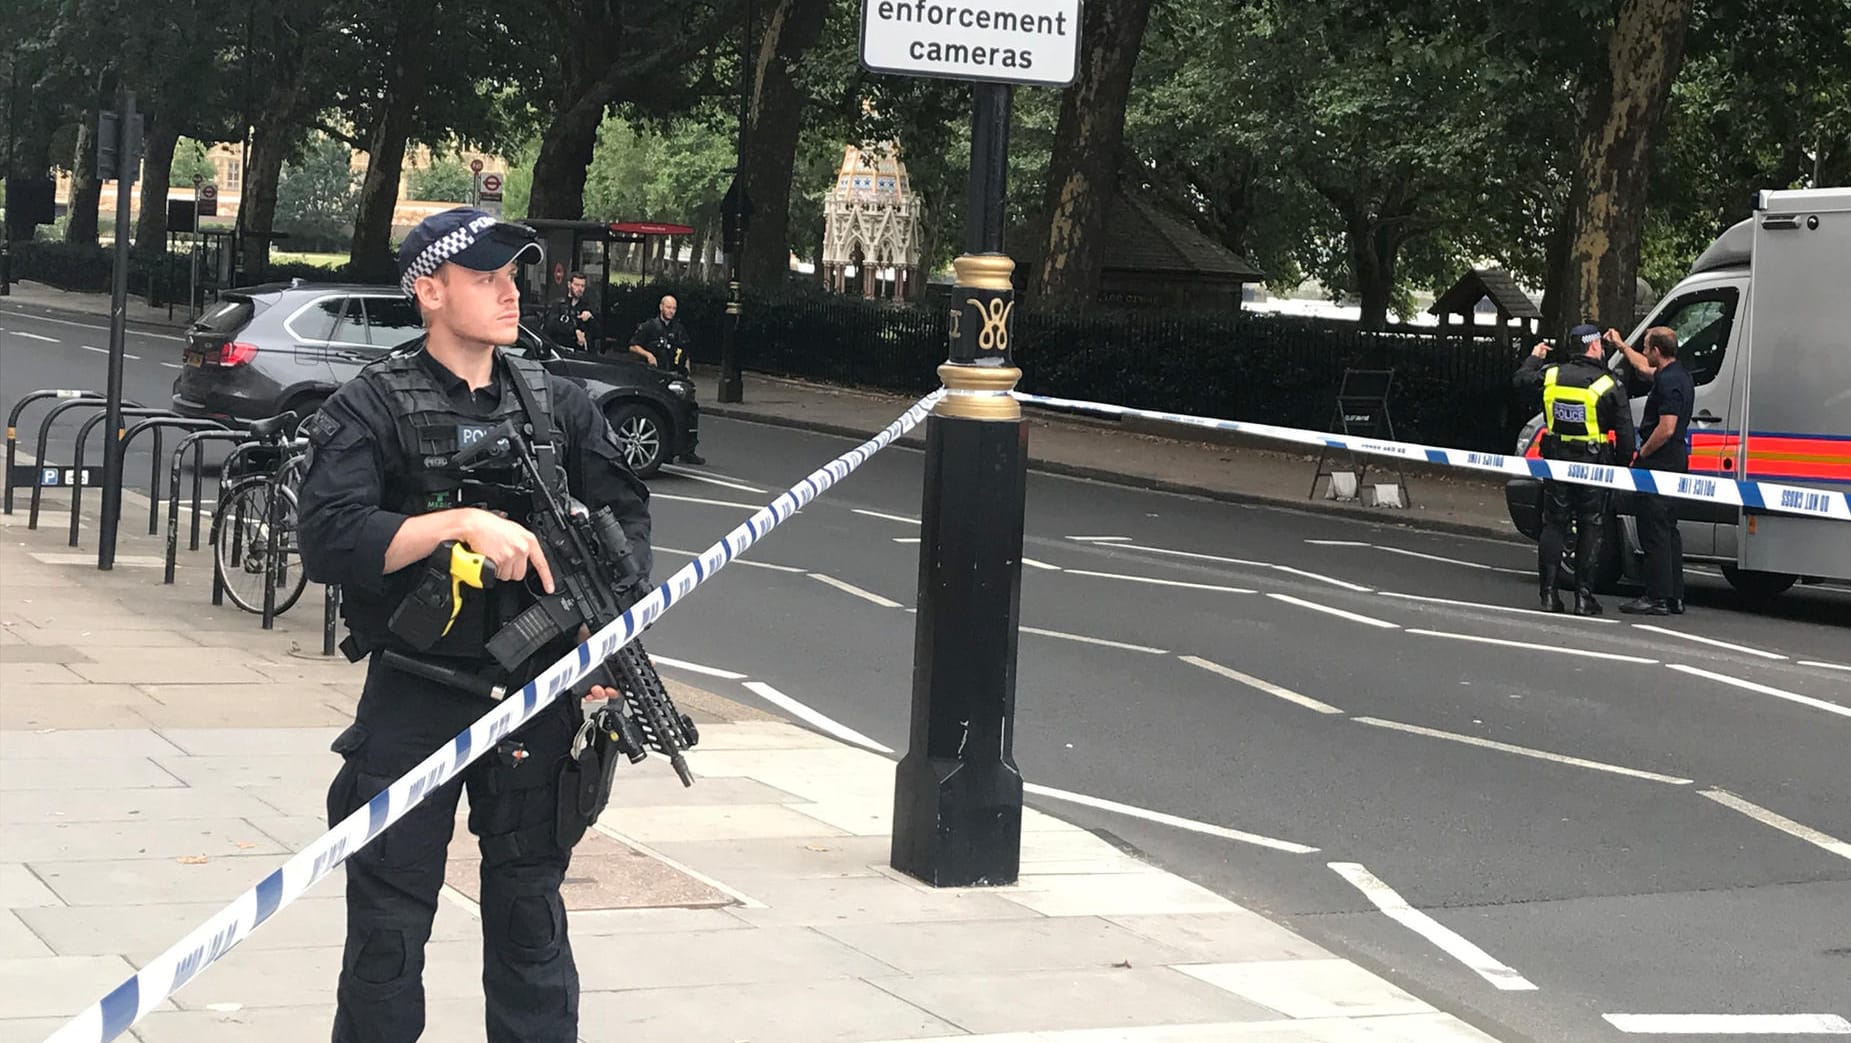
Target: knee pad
{"points": [[381, 959], [527, 926]]}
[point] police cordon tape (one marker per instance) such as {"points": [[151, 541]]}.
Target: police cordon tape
{"points": [[166, 973], [1764, 496]]}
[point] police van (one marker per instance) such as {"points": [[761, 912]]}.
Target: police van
{"points": [[1763, 323]]}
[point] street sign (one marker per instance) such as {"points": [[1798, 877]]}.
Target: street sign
{"points": [[1033, 42], [208, 201], [488, 192], [475, 166], [28, 475]]}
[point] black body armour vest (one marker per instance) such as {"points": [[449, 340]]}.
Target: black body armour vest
{"points": [[430, 430]]}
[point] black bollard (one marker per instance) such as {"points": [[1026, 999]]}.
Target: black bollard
{"points": [[958, 796]]}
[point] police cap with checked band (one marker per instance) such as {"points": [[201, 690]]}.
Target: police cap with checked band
{"points": [[466, 237]]}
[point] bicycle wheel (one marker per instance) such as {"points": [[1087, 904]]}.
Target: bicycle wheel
{"points": [[240, 523]]}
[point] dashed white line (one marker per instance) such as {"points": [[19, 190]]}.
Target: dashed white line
{"points": [[1824, 841], [1161, 582], [1778, 693], [1562, 616], [1744, 649], [1321, 578], [1730, 1024], [1521, 751], [1353, 617], [1449, 941], [747, 562], [680, 472], [697, 499], [1083, 639], [1265, 686], [1337, 543], [1579, 652], [1167, 819], [173, 365], [710, 671], [1196, 555], [37, 336], [850, 588], [1033, 564], [90, 326], [1100, 539], [906, 539], [902, 519], [1825, 665], [826, 723], [1455, 561]]}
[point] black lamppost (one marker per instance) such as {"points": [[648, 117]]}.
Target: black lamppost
{"points": [[735, 215]]}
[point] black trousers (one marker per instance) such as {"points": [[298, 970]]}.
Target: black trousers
{"points": [[528, 977], [1587, 505], [1663, 545]]}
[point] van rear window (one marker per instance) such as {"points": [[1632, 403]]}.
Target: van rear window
{"points": [[227, 316]]}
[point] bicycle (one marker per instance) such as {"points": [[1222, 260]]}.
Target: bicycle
{"points": [[254, 521]]}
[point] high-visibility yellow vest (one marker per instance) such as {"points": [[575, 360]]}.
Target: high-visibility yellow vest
{"points": [[1573, 414]]}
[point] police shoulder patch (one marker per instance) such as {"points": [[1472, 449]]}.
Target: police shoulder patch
{"points": [[321, 428]]}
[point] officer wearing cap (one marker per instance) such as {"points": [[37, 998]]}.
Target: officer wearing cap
{"points": [[377, 501], [1587, 420]]}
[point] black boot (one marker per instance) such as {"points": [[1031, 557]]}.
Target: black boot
{"points": [[1551, 601], [692, 457], [1645, 605], [1676, 606], [1585, 605]]}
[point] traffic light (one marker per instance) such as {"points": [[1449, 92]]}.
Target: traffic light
{"points": [[109, 164]]}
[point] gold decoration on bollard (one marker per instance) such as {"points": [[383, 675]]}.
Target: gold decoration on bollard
{"points": [[979, 392], [995, 333]]}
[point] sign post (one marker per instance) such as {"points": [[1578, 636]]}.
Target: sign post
{"points": [[475, 182], [488, 192], [125, 149], [957, 819]]}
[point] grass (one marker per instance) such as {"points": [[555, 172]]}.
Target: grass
{"points": [[328, 260]]}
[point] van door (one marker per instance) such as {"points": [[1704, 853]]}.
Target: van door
{"points": [[1705, 319]]}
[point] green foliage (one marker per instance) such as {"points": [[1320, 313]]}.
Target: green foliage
{"points": [[317, 196], [190, 159], [446, 180]]}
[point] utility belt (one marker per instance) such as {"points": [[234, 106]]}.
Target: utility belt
{"points": [[1604, 451]]}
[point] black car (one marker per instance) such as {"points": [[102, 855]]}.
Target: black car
{"points": [[266, 349]]}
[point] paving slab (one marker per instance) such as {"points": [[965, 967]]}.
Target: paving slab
{"points": [[154, 881], [1309, 988], [1223, 937], [57, 773], [1114, 895], [1006, 947], [817, 856], [227, 742], [142, 931], [164, 666], [57, 986], [1042, 1000], [81, 841], [231, 706], [770, 954], [843, 1011], [867, 899], [245, 770], [723, 822], [73, 706], [75, 743], [18, 941], [21, 888]]}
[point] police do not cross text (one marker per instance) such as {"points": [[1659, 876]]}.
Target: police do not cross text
{"points": [[929, 12]]}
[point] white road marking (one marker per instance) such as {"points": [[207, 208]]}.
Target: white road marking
{"points": [[37, 336], [88, 326], [902, 519], [1328, 610], [1778, 693], [173, 365], [850, 588], [748, 562], [709, 479], [711, 503], [1337, 543], [1265, 686], [906, 539], [1199, 556], [1828, 666], [1824, 841], [1565, 617], [710, 671], [1161, 582], [828, 724], [1745, 650], [1581, 652], [1449, 941], [1100, 539], [1730, 1024], [1166, 819], [1455, 561], [1033, 564], [1093, 640], [105, 351], [1345, 584], [1522, 751]]}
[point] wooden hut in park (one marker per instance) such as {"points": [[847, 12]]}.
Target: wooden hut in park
{"points": [[1509, 302]]}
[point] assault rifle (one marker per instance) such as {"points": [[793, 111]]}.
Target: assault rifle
{"points": [[596, 579]]}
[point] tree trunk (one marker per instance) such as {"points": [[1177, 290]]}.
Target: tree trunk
{"points": [[157, 168], [1373, 253], [697, 254], [1083, 170], [771, 138], [263, 169], [565, 153], [1644, 53], [408, 78], [86, 187]]}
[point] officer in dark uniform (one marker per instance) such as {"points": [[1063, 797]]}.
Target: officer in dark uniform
{"points": [[377, 501], [663, 342], [1588, 420], [1670, 393]]}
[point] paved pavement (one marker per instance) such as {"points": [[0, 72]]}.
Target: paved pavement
{"points": [[1636, 822], [158, 756]]}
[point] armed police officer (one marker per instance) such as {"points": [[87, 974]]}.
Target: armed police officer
{"points": [[1587, 420], [379, 499]]}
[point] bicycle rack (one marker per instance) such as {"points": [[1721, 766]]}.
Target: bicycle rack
{"points": [[83, 437], [12, 428], [194, 425], [272, 554], [270, 550], [196, 442], [51, 417]]}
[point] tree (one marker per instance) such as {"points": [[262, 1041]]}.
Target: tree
{"points": [[190, 160], [316, 195], [777, 108], [1083, 172], [407, 29], [444, 180], [299, 46], [1607, 205]]}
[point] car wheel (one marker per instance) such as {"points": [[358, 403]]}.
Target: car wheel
{"points": [[1758, 586], [304, 406], [642, 437]]}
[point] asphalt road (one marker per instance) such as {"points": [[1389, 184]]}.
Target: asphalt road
{"points": [[1567, 819]]}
